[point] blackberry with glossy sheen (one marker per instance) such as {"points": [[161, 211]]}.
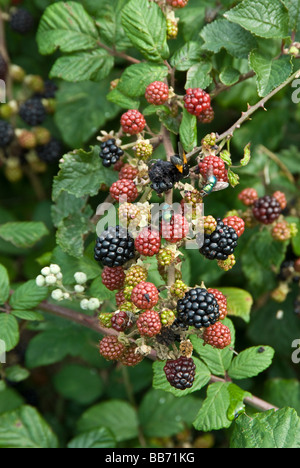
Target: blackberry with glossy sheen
{"points": [[267, 209], [114, 247], [198, 308], [163, 176], [221, 243], [110, 152], [6, 133], [50, 152], [180, 372], [21, 21], [33, 112]]}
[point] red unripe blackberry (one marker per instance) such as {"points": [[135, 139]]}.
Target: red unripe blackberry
{"points": [[196, 101], [145, 295], [110, 348], [148, 242], [207, 116], [180, 372], [281, 198], [175, 230], [21, 21], [113, 278], [130, 358], [149, 323], [157, 93], [236, 223], [177, 3], [267, 209], [124, 189], [216, 165], [128, 172], [218, 336], [120, 298], [120, 321], [248, 196], [133, 122], [281, 232], [222, 302]]}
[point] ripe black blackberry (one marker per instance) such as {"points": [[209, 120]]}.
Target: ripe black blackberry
{"points": [[220, 244], [114, 247], [22, 21], [110, 152], [49, 92], [198, 308], [180, 372], [33, 112], [267, 209], [3, 68], [50, 152], [6, 133], [163, 175]]}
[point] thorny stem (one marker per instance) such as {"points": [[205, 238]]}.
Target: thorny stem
{"points": [[93, 324], [221, 87]]}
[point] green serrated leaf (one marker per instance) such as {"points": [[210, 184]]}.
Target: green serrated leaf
{"points": [[237, 396], [270, 73], [122, 100], [67, 26], [16, 373], [28, 296], [232, 37], [4, 285], [81, 109], [239, 302], [97, 438], [226, 157], [213, 413], [187, 56], [272, 429], [137, 77], [30, 315], [229, 76], [160, 381], [199, 76], [92, 65], [82, 174], [251, 362], [25, 428], [171, 123], [188, 131], [116, 415], [294, 13], [108, 20], [146, 26], [217, 360], [268, 18], [9, 331], [23, 234]]}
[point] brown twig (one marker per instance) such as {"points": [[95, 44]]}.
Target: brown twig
{"points": [[115, 53], [220, 88]]}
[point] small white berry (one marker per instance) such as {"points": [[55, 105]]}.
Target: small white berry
{"points": [[46, 271], [50, 280], [79, 289], [84, 304], [57, 295], [40, 281], [54, 269], [80, 277], [66, 296], [59, 276], [94, 303]]}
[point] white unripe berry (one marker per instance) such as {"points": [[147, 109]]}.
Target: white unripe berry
{"points": [[80, 277], [40, 281], [84, 304], [57, 295], [94, 303], [59, 276], [54, 269], [50, 280], [46, 271], [79, 288]]}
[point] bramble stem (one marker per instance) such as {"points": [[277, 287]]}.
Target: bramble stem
{"points": [[115, 53]]}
